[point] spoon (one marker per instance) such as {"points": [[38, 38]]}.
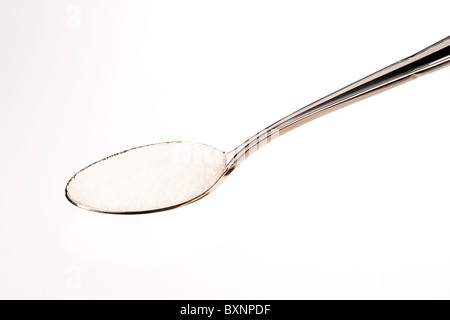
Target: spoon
{"points": [[168, 175]]}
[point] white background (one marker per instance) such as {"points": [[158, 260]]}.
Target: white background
{"points": [[354, 205]]}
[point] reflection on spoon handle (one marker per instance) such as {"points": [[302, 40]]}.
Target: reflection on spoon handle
{"points": [[429, 59]]}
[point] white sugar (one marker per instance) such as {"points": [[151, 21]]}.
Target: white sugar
{"points": [[148, 178]]}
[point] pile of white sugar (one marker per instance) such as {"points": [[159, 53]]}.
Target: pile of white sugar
{"points": [[148, 178]]}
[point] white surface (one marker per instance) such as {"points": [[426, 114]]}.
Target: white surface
{"points": [[368, 218], [148, 178]]}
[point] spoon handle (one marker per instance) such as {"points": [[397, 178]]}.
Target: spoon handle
{"points": [[427, 60]]}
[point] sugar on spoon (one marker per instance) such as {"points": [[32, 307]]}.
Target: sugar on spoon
{"points": [[168, 175]]}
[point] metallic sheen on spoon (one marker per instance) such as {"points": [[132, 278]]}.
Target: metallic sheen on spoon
{"points": [[168, 175]]}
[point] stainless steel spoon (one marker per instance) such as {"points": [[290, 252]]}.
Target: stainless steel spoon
{"points": [[169, 175]]}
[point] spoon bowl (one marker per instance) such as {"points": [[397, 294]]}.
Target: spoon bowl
{"points": [[147, 179]]}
